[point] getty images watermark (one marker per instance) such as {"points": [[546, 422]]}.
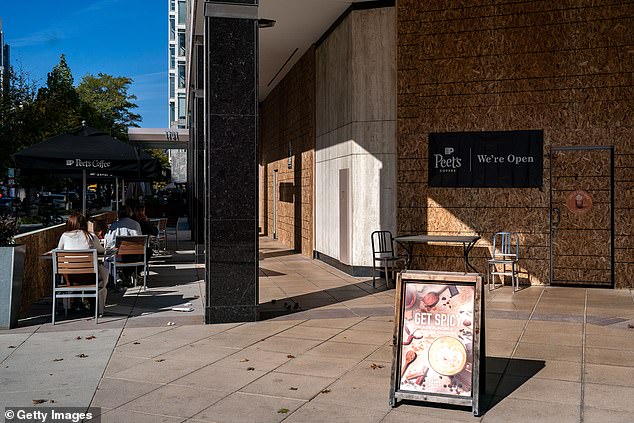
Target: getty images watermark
{"points": [[52, 414]]}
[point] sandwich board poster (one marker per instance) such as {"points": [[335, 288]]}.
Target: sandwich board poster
{"points": [[437, 343]]}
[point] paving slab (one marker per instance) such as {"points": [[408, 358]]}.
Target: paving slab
{"points": [[330, 360], [259, 408]]}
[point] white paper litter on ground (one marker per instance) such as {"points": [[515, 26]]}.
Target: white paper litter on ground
{"points": [[185, 309]]}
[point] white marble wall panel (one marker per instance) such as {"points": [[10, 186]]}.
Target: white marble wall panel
{"points": [[356, 129]]}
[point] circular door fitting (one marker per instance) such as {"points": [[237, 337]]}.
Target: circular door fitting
{"points": [[579, 202]]}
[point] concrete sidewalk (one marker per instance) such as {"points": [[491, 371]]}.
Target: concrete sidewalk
{"points": [[554, 354]]}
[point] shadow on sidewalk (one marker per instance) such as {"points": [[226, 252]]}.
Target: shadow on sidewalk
{"points": [[503, 377], [313, 300]]}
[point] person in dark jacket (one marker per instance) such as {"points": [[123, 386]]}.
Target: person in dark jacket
{"points": [[147, 227]]}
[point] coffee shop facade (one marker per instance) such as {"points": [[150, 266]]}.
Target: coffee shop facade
{"points": [[355, 130], [385, 78]]}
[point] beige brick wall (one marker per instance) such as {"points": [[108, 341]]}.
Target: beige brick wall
{"points": [[287, 115]]}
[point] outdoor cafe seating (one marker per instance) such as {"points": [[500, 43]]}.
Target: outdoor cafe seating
{"points": [[76, 275], [383, 256], [505, 254], [131, 252]]}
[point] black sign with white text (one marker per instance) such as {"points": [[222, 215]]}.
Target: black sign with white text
{"points": [[505, 159]]}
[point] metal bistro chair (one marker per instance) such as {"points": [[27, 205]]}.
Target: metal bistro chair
{"points": [[135, 248], [383, 255], [505, 253], [75, 262], [161, 237], [154, 239]]}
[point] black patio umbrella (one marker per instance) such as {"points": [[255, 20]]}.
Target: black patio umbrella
{"points": [[87, 150]]}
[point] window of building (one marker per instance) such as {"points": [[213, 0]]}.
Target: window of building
{"points": [[172, 28], [172, 5], [182, 108], [172, 87], [182, 12], [181, 43], [181, 75], [172, 57], [172, 114]]}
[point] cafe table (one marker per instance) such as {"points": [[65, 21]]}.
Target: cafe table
{"points": [[467, 241]]}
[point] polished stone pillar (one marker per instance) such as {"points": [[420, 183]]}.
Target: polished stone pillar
{"points": [[197, 145], [198, 231], [231, 98]]}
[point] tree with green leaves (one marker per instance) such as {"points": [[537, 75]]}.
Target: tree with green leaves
{"points": [[29, 115], [17, 116], [107, 104], [58, 104]]}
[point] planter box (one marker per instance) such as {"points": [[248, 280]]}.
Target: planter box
{"points": [[12, 265]]}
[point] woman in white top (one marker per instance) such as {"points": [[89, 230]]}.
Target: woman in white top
{"points": [[77, 237]]}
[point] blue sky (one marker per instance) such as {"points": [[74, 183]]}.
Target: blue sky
{"points": [[117, 37]]}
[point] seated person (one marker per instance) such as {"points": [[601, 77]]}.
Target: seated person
{"points": [[77, 237], [124, 226], [147, 227]]}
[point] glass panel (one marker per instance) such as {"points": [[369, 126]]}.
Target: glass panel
{"points": [[181, 43], [172, 5], [181, 76], [172, 87], [172, 28], [182, 107], [182, 12], [172, 114], [172, 57]]}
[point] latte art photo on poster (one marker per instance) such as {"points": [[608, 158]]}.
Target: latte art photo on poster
{"points": [[437, 342]]}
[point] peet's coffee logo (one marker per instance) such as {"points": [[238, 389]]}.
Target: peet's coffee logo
{"points": [[92, 164], [447, 162], [498, 159]]}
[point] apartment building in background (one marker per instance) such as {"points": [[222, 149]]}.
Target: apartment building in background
{"points": [[4, 54], [176, 85]]}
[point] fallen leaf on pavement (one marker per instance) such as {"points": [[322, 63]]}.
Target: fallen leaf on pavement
{"points": [[244, 360], [82, 355], [375, 366], [292, 388], [283, 410], [160, 360], [90, 337], [325, 391], [290, 356], [78, 338], [39, 401], [58, 359], [11, 346], [250, 368]]}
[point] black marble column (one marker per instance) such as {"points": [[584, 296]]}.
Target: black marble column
{"points": [[196, 161], [231, 98], [198, 231]]}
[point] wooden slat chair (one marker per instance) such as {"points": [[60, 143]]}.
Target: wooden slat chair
{"points": [[133, 248], [69, 263]]}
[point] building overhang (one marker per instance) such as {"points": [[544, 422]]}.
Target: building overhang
{"points": [[298, 24], [160, 138]]}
